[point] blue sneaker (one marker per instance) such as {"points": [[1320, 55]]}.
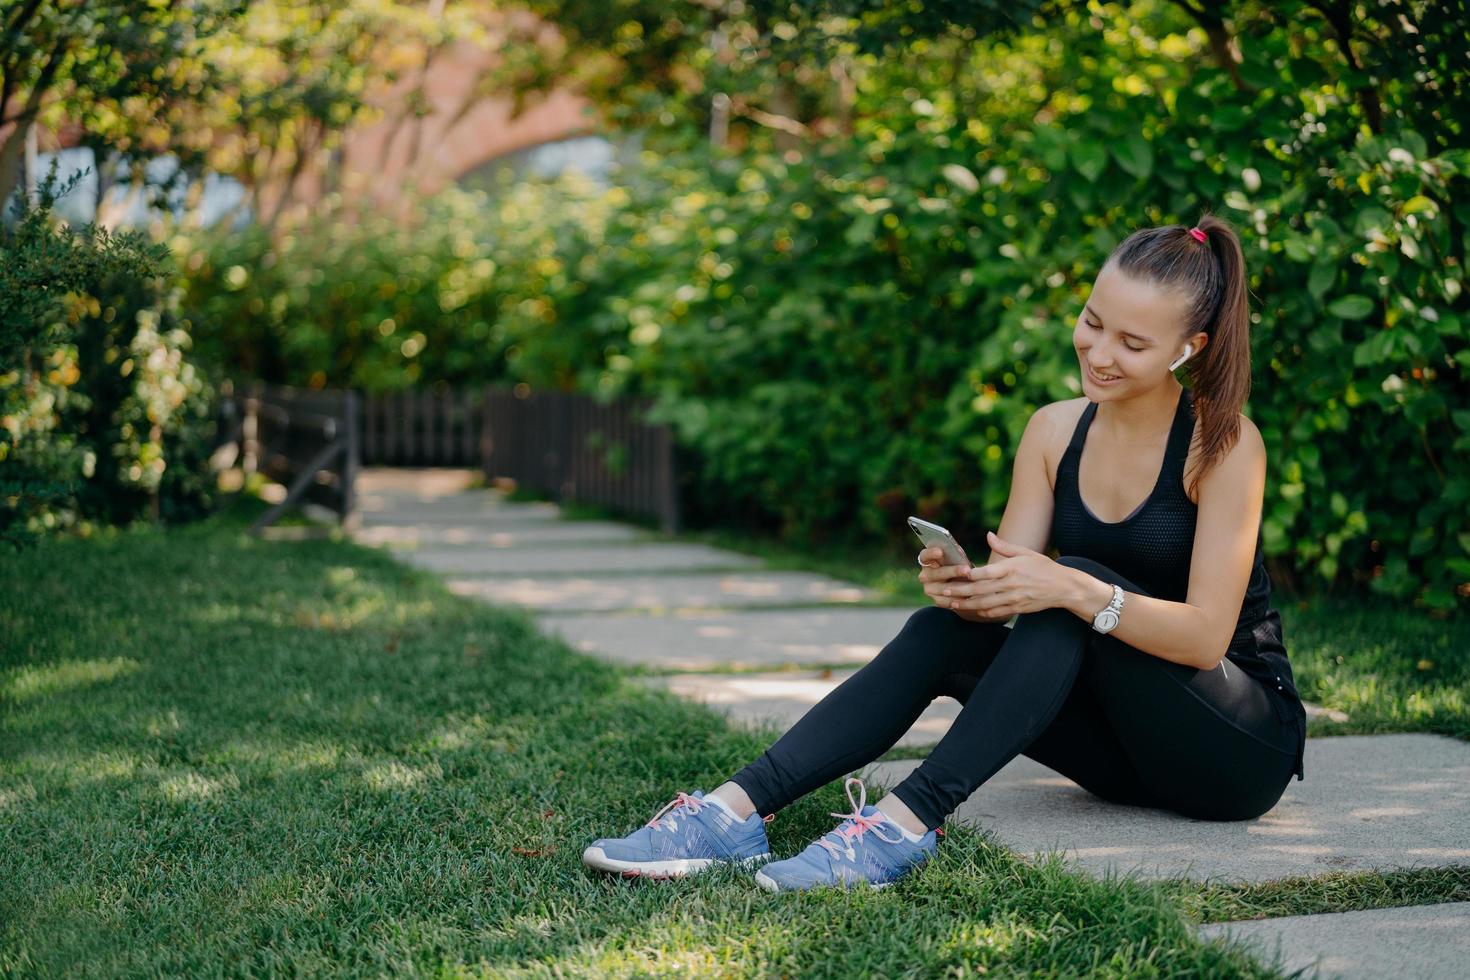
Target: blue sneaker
{"points": [[696, 834], [850, 855]]}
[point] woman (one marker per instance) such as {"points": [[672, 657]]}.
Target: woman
{"points": [[1145, 663]]}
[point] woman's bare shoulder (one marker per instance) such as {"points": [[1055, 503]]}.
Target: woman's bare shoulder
{"points": [[1066, 410], [1060, 418]]}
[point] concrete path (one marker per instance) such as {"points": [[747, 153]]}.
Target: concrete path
{"points": [[764, 646], [593, 591], [1368, 802], [773, 699], [743, 639], [541, 559], [1425, 942]]}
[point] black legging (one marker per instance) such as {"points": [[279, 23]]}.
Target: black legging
{"points": [[1123, 724]]}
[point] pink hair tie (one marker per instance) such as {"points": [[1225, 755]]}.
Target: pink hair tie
{"points": [[1197, 233]]}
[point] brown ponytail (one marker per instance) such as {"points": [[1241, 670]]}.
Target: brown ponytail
{"points": [[1210, 276]]}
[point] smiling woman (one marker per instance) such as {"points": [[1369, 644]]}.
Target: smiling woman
{"points": [[1141, 708]]}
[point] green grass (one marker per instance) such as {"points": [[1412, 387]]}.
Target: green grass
{"points": [[226, 755], [229, 755]]}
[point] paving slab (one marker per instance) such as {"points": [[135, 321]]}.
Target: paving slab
{"points": [[706, 639], [417, 481], [780, 698], [699, 590], [377, 511], [477, 534], [652, 557], [1368, 802], [1426, 942]]}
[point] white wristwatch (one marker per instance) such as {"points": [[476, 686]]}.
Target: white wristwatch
{"points": [[1105, 620]]}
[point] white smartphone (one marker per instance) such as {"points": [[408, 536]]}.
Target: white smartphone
{"points": [[935, 536]]}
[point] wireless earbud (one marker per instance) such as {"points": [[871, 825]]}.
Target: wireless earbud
{"points": [[1183, 357]]}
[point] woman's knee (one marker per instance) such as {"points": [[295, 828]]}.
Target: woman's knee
{"points": [[923, 635], [1085, 564], [936, 622], [1100, 571], [1115, 669], [926, 616], [943, 642]]}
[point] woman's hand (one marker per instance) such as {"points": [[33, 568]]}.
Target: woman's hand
{"points": [[937, 577], [1022, 581]]}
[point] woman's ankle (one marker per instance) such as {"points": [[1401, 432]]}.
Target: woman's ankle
{"points": [[898, 811], [735, 798]]}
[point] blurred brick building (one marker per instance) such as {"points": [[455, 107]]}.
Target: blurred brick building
{"points": [[465, 133]]}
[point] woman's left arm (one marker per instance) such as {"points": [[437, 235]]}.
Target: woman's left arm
{"points": [[1197, 631]]}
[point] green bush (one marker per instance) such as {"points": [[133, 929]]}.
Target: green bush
{"points": [[102, 417], [365, 301], [861, 331]]}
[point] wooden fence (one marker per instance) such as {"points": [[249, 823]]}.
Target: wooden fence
{"points": [[576, 448], [567, 445], [304, 438], [424, 428]]}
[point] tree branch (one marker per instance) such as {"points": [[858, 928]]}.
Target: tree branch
{"points": [[1222, 43], [1340, 16], [23, 14]]}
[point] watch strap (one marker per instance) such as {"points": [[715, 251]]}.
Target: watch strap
{"points": [[1104, 623]]}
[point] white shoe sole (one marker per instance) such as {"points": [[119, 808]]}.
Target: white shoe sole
{"points": [[770, 884], [594, 857]]}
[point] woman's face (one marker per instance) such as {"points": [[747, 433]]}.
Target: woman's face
{"points": [[1128, 331]]}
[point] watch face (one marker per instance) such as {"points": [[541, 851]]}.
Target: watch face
{"points": [[1107, 619]]}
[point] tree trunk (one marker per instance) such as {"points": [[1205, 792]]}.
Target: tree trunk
{"points": [[784, 104], [10, 152]]}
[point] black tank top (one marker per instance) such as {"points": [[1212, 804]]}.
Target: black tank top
{"points": [[1153, 546]]}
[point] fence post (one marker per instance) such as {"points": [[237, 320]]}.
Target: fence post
{"points": [[352, 461], [667, 486], [250, 430], [555, 469], [410, 427], [487, 447]]}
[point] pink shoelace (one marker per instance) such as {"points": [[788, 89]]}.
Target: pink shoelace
{"points": [[684, 803], [860, 824]]}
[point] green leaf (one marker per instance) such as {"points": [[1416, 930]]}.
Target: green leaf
{"points": [[1415, 143], [1351, 307], [1089, 158], [1371, 218], [1135, 155], [1258, 72], [1310, 455], [860, 232], [1419, 203], [1228, 118], [1323, 275]]}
